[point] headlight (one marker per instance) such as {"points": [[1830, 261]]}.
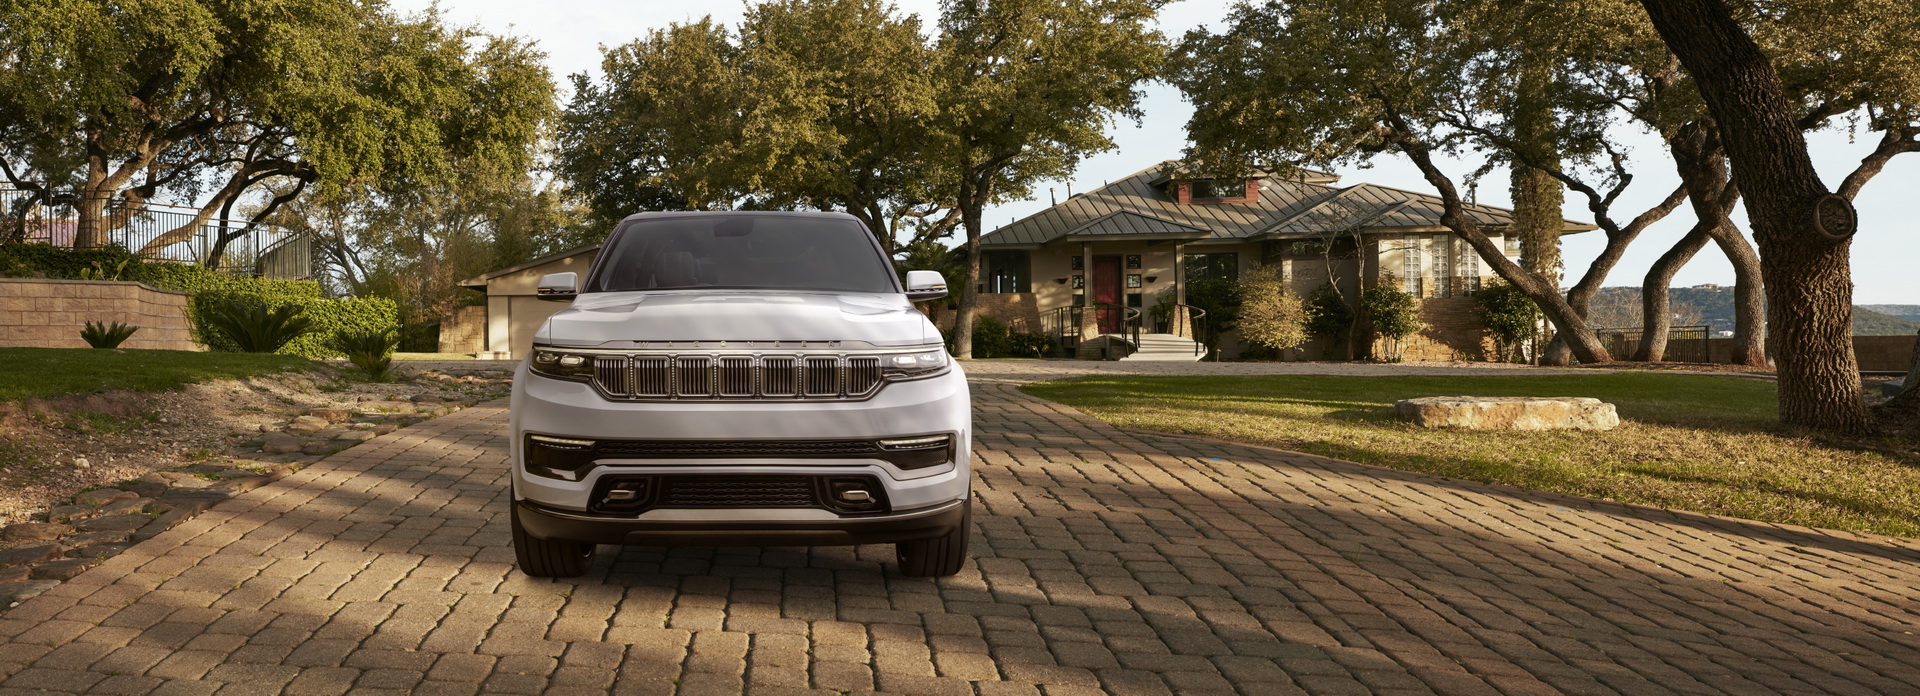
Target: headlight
{"points": [[561, 364], [914, 365]]}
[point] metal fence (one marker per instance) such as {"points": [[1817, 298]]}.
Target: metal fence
{"points": [[231, 246], [1684, 343]]}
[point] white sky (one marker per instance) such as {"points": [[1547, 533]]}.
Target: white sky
{"points": [[1884, 253]]}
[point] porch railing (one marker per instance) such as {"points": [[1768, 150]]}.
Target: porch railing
{"points": [[232, 246], [1193, 328], [1129, 325]]}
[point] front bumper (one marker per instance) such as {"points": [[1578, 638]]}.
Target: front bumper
{"points": [[564, 409], [732, 530]]}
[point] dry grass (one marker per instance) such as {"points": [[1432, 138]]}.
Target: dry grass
{"points": [[1705, 444]]}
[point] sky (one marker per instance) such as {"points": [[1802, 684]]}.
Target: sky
{"points": [[573, 32]]}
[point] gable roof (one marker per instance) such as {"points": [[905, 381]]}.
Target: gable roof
{"points": [[480, 281], [1137, 207]]}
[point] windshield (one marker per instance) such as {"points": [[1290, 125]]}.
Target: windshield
{"points": [[736, 250]]}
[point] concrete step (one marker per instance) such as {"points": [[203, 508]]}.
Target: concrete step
{"points": [[1166, 348]]}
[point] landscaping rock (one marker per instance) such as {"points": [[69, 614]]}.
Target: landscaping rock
{"points": [[68, 513], [35, 531], [1893, 388], [15, 574], [164, 522], [102, 497], [85, 539], [144, 488], [331, 415], [241, 484], [98, 551], [281, 443], [176, 480], [307, 424], [232, 474], [426, 399], [31, 554], [116, 523], [1509, 413], [128, 506], [65, 569], [13, 593], [355, 436]]}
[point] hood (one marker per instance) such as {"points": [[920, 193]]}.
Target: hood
{"points": [[717, 315]]}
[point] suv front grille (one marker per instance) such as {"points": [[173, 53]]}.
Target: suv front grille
{"points": [[728, 377], [738, 492], [630, 494]]}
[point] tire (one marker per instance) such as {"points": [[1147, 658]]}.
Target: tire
{"points": [[936, 557], [549, 558]]}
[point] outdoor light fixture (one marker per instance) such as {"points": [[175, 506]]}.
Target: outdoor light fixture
{"points": [[1060, 281], [1152, 278]]}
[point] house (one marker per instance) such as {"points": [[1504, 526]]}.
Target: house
{"points": [[1101, 266], [503, 328]]}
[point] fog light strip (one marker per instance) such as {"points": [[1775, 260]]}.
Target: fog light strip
{"points": [[915, 442]]}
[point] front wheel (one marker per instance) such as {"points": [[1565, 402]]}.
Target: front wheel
{"points": [[549, 558], [937, 556]]}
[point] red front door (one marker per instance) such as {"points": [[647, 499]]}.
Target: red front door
{"points": [[1106, 292]]}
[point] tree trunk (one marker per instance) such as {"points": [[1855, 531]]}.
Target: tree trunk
{"points": [[1809, 286], [1655, 317], [1749, 297], [971, 206]]}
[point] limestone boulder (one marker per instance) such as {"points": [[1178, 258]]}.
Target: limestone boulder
{"points": [[1509, 413]]}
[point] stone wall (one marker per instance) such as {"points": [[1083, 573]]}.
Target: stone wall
{"points": [[1018, 309], [464, 331], [1451, 331], [36, 313], [1883, 353]]}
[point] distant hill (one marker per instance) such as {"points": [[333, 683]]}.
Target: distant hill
{"points": [[1619, 307], [1909, 312]]}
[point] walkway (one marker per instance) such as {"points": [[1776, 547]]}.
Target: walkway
{"points": [[1104, 560]]}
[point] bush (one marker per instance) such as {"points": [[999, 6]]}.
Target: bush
{"points": [[1327, 313], [1509, 315], [371, 351], [1393, 313], [256, 327], [1271, 315], [101, 335], [991, 338], [209, 289], [1031, 345]]}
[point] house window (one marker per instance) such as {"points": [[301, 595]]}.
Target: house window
{"points": [[1410, 265], [1442, 267], [1217, 189], [1079, 263], [1513, 245], [1469, 269], [1007, 271], [1205, 267], [1133, 260], [1133, 280]]}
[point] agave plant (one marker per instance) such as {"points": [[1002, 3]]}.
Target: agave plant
{"points": [[102, 335], [371, 351], [257, 328]]}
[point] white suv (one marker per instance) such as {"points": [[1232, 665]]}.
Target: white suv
{"points": [[740, 378]]}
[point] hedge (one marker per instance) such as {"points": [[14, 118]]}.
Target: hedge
{"points": [[206, 286]]}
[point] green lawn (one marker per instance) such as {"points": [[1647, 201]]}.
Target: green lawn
{"points": [[1706, 444], [44, 372]]}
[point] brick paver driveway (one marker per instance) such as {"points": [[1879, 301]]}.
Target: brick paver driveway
{"points": [[1104, 560]]}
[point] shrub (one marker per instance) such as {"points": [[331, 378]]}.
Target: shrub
{"points": [[1393, 313], [1509, 315], [256, 327], [100, 335], [1030, 345], [1270, 314], [991, 338], [1327, 313], [371, 351]]}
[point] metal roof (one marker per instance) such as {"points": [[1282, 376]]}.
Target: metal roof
{"points": [[1137, 208]]}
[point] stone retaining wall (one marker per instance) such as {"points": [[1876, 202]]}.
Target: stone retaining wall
{"points": [[39, 313], [464, 331]]}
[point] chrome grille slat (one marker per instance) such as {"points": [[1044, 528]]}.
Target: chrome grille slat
{"points": [[721, 376], [612, 374]]}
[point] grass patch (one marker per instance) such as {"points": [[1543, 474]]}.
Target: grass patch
{"points": [[27, 373], [1706, 444]]}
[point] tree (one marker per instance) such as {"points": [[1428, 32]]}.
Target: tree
{"points": [[1418, 79], [1270, 314], [110, 104], [821, 104], [1804, 231], [1026, 90]]}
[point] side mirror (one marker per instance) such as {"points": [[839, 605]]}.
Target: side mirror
{"points": [[925, 285], [558, 287]]}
